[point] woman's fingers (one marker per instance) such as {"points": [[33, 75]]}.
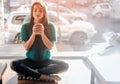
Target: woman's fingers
{"points": [[38, 28]]}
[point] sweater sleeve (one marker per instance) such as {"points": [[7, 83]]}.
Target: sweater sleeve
{"points": [[53, 32], [24, 36]]}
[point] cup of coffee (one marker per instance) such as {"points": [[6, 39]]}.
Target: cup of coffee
{"points": [[38, 25]]}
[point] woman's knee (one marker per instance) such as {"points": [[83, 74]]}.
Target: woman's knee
{"points": [[65, 66], [14, 64]]}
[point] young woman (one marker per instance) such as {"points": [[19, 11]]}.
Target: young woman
{"points": [[38, 38]]}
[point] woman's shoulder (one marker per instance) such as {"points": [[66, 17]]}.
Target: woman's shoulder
{"points": [[27, 24], [52, 25]]}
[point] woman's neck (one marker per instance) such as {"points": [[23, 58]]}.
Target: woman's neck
{"points": [[37, 21]]}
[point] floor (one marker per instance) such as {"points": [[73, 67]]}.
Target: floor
{"points": [[77, 73]]}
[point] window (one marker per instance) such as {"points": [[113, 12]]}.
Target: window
{"points": [[89, 29], [74, 35]]}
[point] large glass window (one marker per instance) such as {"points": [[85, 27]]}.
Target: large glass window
{"points": [[86, 25], [86, 29]]}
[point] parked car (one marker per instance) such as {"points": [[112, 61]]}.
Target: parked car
{"points": [[79, 32], [13, 25], [76, 33], [101, 10]]}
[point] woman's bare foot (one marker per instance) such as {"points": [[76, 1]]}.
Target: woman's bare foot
{"points": [[43, 76], [50, 77]]}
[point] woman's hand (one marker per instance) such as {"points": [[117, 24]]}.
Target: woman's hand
{"points": [[38, 29], [34, 30]]}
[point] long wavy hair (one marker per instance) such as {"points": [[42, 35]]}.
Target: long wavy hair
{"points": [[44, 20]]}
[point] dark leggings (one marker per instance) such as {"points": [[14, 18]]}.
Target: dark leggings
{"points": [[32, 68]]}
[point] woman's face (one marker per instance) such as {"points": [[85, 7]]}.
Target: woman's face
{"points": [[37, 12]]}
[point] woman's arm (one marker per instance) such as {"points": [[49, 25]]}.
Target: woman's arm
{"points": [[27, 45], [47, 42], [29, 42]]}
